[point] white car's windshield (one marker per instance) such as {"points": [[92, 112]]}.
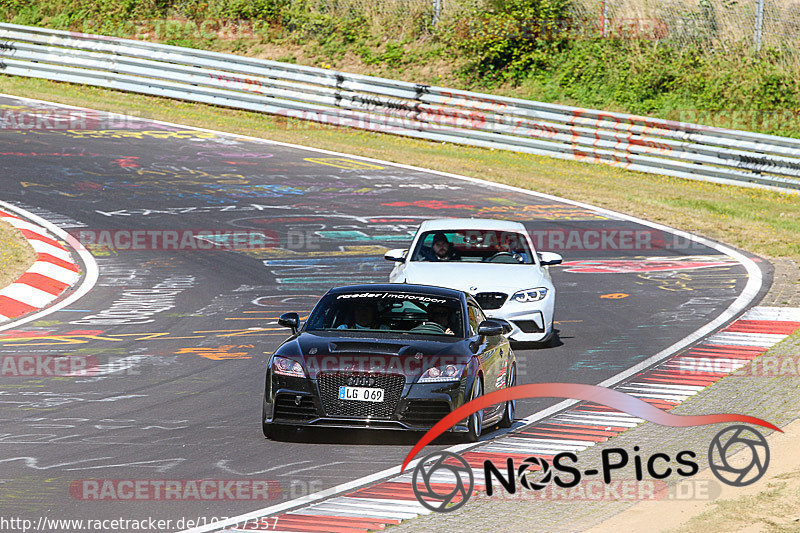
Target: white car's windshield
{"points": [[391, 312], [487, 246]]}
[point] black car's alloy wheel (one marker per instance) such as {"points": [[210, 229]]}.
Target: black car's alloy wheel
{"points": [[475, 420], [511, 405]]}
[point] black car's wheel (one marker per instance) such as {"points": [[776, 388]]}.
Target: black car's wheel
{"points": [[511, 405], [475, 420]]}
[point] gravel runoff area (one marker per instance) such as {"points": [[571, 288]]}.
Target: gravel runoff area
{"points": [[775, 399]]}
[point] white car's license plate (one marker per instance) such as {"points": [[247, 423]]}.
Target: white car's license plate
{"points": [[363, 394]]}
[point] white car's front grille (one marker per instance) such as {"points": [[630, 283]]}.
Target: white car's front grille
{"points": [[491, 300]]}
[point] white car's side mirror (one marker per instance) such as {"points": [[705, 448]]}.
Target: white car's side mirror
{"points": [[550, 258], [398, 255]]}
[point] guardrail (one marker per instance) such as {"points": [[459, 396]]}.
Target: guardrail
{"points": [[634, 142]]}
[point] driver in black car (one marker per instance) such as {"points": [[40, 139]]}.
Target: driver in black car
{"points": [[364, 317], [440, 314]]}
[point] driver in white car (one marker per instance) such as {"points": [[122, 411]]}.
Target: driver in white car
{"points": [[510, 244], [442, 249]]}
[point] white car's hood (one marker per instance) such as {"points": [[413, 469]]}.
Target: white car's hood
{"points": [[478, 277]]}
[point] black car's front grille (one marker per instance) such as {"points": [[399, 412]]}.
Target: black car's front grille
{"points": [[329, 383], [491, 300], [424, 413], [528, 326], [287, 407]]}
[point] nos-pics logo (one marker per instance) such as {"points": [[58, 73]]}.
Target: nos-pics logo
{"points": [[444, 481]]}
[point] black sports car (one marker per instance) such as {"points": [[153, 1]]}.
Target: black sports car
{"points": [[388, 356]]}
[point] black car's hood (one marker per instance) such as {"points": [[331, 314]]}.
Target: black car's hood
{"points": [[351, 351]]}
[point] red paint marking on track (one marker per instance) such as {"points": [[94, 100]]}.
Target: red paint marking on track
{"points": [[720, 350], [559, 428], [614, 429], [495, 456], [563, 435], [304, 527], [43, 283], [58, 262], [393, 490], [32, 235], [675, 380], [13, 308], [679, 372], [352, 521], [763, 326]]}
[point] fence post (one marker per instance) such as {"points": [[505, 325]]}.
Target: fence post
{"points": [[759, 24], [437, 11], [604, 30]]}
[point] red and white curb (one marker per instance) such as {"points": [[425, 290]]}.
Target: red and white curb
{"points": [[666, 385], [53, 272]]}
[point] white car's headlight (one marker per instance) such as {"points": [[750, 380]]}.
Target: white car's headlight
{"points": [[442, 373], [530, 295], [287, 367]]}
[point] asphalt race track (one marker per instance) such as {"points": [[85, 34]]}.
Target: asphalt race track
{"points": [[179, 336]]}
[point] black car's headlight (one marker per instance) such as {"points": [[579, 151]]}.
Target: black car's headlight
{"points": [[442, 373], [530, 295], [287, 367]]}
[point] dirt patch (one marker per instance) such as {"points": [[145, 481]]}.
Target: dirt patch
{"points": [[770, 504]]}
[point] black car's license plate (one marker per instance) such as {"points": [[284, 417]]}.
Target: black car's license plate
{"points": [[363, 394]]}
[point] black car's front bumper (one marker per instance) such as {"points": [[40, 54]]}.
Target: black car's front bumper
{"points": [[406, 406]]}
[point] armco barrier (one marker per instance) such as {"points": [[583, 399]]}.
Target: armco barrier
{"points": [[634, 142]]}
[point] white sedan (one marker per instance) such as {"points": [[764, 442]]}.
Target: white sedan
{"points": [[494, 261]]}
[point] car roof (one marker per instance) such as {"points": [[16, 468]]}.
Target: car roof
{"points": [[400, 287], [443, 224]]}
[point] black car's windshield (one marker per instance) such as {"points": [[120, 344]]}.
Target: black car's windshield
{"points": [[391, 312], [487, 246]]}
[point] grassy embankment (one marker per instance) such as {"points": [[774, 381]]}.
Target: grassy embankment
{"points": [[16, 255]]}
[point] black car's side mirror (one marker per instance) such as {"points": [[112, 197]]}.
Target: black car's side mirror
{"points": [[490, 328], [505, 323], [290, 320]]}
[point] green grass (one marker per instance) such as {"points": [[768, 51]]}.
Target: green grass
{"points": [[764, 222], [16, 255]]}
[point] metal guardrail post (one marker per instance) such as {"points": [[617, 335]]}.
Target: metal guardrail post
{"points": [[759, 25]]}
